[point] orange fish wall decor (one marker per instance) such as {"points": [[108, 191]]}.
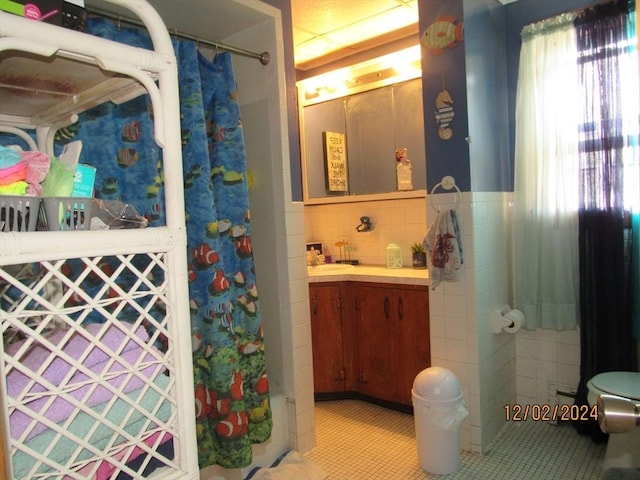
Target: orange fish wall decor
{"points": [[444, 32]]}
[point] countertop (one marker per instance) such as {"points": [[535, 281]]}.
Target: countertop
{"points": [[367, 273]]}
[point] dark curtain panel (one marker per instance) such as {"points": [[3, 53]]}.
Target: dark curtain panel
{"points": [[605, 316]]}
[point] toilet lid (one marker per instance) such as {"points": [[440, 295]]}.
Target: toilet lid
{"points": [[623, 384]]}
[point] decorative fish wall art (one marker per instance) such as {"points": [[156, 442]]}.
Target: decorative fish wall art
{"points": [[444, 112], [445, 32]]}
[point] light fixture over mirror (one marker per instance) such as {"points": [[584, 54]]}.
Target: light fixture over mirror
{"points": [[378, 72]]}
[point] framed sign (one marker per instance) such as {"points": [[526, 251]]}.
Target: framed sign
{"points": [[335, 158]]}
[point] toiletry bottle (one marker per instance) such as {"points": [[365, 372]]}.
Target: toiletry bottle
{"points": [[327, 254]]}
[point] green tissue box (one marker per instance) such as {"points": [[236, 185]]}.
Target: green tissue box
{"points": [[83, 181]]}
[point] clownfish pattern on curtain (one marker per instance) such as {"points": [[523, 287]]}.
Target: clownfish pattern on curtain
{"points": [[232, 401], [231, 383]]}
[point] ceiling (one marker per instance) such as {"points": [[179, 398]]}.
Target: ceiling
{"points": [[336, 28], [324, 30], [216, 21]]}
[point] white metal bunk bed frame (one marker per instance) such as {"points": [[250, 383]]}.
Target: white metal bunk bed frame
{"points": [[128, 68]]}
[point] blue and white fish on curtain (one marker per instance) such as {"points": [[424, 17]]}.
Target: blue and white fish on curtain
{"points": [[231, 382]]}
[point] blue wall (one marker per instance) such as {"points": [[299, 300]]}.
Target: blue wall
{"points": [[292, 100], [445, 70], [485, 66], [487, 95], [477, 155], [481, 75]]}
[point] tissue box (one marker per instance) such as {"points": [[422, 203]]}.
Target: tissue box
{"points": [[49, 11], [83, 181]]}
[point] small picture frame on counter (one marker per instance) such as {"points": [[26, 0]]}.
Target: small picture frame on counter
{"points": [[314, 246]]}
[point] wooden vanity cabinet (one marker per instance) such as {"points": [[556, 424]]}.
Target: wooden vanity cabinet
{"points": [[368, 339], [331, 334], [393, 339]]}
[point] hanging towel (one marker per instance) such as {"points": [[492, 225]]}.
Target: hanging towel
{"points": [[443, 244]]}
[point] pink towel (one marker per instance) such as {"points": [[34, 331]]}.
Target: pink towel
{"points": [[13, 174], [38, 164]]}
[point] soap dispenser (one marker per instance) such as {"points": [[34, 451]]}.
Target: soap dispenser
{"points": [[394, 256]]}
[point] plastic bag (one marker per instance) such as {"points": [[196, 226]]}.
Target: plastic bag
{"points": [[449, 417], [115, 215]]}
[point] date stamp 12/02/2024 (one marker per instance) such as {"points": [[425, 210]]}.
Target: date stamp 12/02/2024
{"points": [[543, 412]]}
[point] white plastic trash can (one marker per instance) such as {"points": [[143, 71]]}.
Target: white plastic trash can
{"points": [[438, 411]]}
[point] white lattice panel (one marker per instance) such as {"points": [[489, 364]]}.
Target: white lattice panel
{"points": [[88, 370]]}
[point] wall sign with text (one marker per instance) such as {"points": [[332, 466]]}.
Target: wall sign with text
{"points": [[335, 156]]}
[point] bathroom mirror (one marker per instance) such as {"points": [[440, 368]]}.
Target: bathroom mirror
{"points": [[376, 119]]}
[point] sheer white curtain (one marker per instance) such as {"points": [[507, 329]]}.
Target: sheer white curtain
{"points": [[546, 176]]}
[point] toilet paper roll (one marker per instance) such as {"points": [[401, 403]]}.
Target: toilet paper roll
{"points": [[516, 319]]}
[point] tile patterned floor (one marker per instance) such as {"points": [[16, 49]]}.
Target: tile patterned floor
{"points": [[358, 441]]}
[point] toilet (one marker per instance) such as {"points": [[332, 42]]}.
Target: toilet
{"points": [[623, 449]]}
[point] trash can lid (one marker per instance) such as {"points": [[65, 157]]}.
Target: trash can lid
{"points": [[438, 385]]}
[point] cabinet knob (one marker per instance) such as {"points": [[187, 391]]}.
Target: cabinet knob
{"points": [[400, 308], [314, 301], [337, 301], [386, 307]]}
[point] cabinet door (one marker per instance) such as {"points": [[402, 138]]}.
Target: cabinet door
{"points": [[377, 366], [327, 340], [413, 343]]}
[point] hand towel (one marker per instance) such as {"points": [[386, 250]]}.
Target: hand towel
{"points": [[37, 168], [8, 157], [443, 244], [12, 174], [16, 188]]}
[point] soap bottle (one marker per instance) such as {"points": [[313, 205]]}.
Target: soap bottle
{"points": [[394, 256]]}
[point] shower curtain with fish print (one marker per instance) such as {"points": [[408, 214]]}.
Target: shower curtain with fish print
{"points": [[231, 386]]}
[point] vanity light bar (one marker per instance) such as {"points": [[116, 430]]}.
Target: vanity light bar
{"points": [[379, 72]]}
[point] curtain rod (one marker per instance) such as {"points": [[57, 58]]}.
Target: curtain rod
{"points": [[264, 57], [570, 15]]}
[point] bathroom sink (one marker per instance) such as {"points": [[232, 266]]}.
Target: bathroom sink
{"points": [[329, 268]]}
